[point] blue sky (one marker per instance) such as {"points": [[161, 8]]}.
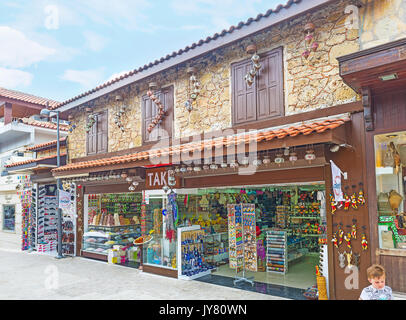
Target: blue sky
{"points": [[59, 49]]}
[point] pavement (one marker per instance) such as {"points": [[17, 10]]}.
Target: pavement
{"points": [[25, 275]]}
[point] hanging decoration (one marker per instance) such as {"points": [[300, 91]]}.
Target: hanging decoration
{"points": [[161, 109], [333, 204], [256, 66], [349, 258], [347, 200], [117, 117], [364, 242], [91, 120], [341, 260], [311, 45], [193, 88], [356, 257], [361, 198], [310, 155], [347, 238], [340, 235], [354, 201], [354, 229], [334, 240]]}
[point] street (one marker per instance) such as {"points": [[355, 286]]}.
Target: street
{"points": [[26, 275]]}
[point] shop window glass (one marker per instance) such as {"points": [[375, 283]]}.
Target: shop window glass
{"points": [[9, 218], [161, 250], [112, 221], [390, 158]]}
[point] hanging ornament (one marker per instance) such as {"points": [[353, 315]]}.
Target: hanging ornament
{"points": [[334, 240], [361, 198], [347, 200], [341, 259], [349, 258], [354, 199], [354, 229], [161, 109], [356, 257], [340, 235], [256, 66], [347, 238], [310, 156], [293, 157], [333, 204], [279, 159], [364, 242]]}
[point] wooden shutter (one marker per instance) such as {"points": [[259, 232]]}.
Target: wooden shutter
{"points": [[102, 125], [269, 83], [91, 139], [150, 110], [243, 97]]}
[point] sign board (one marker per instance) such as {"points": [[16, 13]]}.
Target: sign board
{"points": [[156, 178]]}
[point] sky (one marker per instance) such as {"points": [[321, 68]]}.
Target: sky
{"points": [[59, 49]]}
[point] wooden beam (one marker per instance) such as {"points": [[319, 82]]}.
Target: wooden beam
{"points": [[8, 113], [368, 113]]}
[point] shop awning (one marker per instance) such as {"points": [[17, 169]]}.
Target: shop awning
{"points": [[37, 163], [323, 130]]}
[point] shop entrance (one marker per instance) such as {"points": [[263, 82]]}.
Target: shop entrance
{"points": [[290, 231]]}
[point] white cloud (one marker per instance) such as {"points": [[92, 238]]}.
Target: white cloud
{"points": [[18, 51], [12, 78], [117, 75], [86, 78], [94, 41]]}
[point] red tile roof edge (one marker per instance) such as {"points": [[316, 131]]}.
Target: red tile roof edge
{"points": [[26, 97], [45, 144], [43, 124], [279, 133], [20, 163]]}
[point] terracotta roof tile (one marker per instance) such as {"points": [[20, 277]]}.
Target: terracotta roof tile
{"points": [[20, 163], [25, 97], [266, 134], [44, 145], [43, 124]]}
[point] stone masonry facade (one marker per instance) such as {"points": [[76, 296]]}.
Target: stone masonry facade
{"points": [[308, 84]]}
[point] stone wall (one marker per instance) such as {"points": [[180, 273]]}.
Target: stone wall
{"points": [[309, 84], [382, 21]]}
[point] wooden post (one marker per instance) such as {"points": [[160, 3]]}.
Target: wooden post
{"points": [[8, 113]]}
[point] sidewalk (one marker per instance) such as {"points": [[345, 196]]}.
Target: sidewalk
{"points": [[26, 275]]}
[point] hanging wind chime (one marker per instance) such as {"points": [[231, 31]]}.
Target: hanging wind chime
{"points": [[118, 115], [256, 66], [310, 42], [161, 110], [193, 88]]}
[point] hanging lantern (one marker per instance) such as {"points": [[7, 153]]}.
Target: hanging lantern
{"points": [[183, 169], [213, 166], [206, 167], [267, 159], [234, 164], [279, 159], [310, 156], [293, 157], [257, 162], [245, 161], [197, 169]]}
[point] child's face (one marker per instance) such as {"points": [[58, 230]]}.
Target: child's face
{"points": [[378, 283]]}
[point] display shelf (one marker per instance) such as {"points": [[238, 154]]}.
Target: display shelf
{"points": [[276, 251], [113, 227]]}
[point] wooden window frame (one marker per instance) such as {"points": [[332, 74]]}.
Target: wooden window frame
{"points": [[97, 151], [235, 122], [170, 109]]}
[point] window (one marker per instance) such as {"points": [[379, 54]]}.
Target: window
{"points": [[9, 218], [97, 136], [150, 110], [264, 99], [390, 158]]}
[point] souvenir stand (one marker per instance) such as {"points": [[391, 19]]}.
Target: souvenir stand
{"points": [[68, 203], [25, 197]]}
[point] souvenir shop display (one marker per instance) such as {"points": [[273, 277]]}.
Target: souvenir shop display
{"points": [[26, 199], [69, 223], [191, 264], [33, 218], [111, 220], [276, 251], [235, 237], [44, 206]]}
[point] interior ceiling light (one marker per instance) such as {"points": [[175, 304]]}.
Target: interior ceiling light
{"points": [[389, 77]]}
